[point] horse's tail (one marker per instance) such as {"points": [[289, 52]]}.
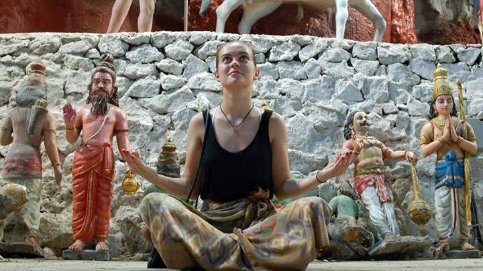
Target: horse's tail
{"points": [[205, 4], [300, 12]]}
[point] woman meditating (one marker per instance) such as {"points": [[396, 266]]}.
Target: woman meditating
{"points": [[243, 165]]}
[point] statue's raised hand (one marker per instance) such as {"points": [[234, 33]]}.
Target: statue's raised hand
{"points": [[454, 135], [447, 130], [69, 115]]}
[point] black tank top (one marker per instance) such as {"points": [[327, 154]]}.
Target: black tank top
{"points": [[227, 176]]}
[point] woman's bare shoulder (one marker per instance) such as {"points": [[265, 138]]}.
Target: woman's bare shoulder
{"points": [[277, 119]]}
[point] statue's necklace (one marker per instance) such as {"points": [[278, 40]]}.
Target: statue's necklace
{"points": [[239, 122], [367, 141], [439, 123]]}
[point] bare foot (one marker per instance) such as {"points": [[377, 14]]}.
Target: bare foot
{"points": [[78, 246], [443, 246], [101, 246], [466, 246]]}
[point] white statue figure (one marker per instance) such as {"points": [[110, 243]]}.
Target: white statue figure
{"points": [[253, 10]]}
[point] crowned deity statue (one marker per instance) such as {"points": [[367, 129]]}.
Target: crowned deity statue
{"points": [[453, 141]]}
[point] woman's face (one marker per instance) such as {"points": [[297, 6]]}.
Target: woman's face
{"points": [[236, 65], [443, 105]]}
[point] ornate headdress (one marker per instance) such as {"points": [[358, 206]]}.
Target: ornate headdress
{"points": [[36, 73], [441, 84]]}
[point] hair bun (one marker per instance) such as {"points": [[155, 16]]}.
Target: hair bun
{"points": [[37, 66], [107, 60]]}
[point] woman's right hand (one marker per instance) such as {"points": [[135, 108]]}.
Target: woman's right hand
{"points": [[340, 164]]}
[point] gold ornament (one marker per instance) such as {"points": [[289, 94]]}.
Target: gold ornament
{"points": [[441, 84], [129, 184]]}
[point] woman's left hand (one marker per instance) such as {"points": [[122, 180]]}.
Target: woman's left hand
{"points": [[135, 164]]}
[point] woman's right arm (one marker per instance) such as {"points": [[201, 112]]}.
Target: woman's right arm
{"points": [[176, 186]]}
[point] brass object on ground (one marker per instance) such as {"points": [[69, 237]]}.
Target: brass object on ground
{"points": [[129, 184], [168, 155], [419, 210]]}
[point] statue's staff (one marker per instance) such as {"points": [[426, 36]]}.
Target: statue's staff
{"points": [[186, 15], [467, 184]]}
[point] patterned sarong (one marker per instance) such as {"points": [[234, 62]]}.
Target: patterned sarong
{"points": [[92, 184], [237, 235], [450, 172]]}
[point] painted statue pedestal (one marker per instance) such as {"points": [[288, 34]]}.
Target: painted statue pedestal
{"points": [[400, 246], [86, 255], [462, 254]]}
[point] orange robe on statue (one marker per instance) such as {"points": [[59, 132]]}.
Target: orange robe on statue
{"points": [[92, 182]]}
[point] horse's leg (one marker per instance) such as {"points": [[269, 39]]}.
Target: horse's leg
{"points": [[223, 11], [253, 12], [341, 16], [367, 8]]}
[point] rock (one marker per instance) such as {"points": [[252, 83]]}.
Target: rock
{"points": [[112, 45], [179, 50], [311, 50], [284, 52], [335, 55], [194, 66], [144, 54], [21, 249]]}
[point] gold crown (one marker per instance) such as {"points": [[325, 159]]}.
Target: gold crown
{"points": [[441, 84]]}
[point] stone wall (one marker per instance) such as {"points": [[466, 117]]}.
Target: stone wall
{"points": [[165, 78]]}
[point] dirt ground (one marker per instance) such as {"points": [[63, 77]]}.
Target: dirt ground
{"points": [[426, 265]]}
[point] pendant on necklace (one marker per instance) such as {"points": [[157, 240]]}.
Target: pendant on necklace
{"points": [[237, 123]]}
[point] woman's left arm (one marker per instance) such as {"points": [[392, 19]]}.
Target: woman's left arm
{"points": [[283, 184]]}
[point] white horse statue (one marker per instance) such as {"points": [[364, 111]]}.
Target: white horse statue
{"points": [[253, 10]]}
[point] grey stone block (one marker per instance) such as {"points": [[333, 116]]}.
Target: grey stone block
{"points": [[86, 255]]}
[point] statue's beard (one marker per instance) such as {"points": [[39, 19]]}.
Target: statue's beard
{"points": [[99, 103]]}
